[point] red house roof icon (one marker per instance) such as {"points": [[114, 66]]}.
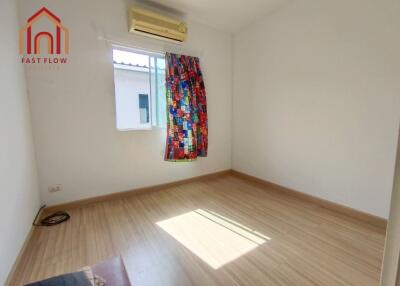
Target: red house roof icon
{"points": [[40, 13]]}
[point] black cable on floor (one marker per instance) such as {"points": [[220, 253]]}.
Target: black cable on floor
{"points": [[53, 219]]}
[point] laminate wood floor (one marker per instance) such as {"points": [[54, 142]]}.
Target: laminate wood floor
{"points": [[221, 231]]}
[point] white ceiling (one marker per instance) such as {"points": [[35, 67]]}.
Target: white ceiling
{"points": [[226, 15]]}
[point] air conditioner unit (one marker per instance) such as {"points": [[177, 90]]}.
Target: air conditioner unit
{"points": [[145, 22]]}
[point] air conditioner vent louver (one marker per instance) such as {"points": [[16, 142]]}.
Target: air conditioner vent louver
{"points": [[155, 25]]}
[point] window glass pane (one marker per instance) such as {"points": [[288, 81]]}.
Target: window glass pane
{"points": [[140, 97], [132, 87], [161, 96], [153, 89], [157, 69]]}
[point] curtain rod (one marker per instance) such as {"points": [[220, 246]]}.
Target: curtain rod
{"points": [[128, 45], [145, 49]]}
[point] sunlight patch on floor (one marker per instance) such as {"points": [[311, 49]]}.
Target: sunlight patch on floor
{"points": [[215, 239]]}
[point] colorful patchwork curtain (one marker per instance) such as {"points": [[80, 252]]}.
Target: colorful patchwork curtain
{"points": [[187, 129]]}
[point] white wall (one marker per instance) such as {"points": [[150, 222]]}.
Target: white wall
{"points": [[73, 108], [19, 196], [317, 100]]}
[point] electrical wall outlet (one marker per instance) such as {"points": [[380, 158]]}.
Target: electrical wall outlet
{"points": [[55, 188]]}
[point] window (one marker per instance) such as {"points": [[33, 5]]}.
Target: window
{"points": [[144, 108], [139, 80]]}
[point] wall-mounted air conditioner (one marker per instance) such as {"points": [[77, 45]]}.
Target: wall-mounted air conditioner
{"points": [[145, 22]]}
